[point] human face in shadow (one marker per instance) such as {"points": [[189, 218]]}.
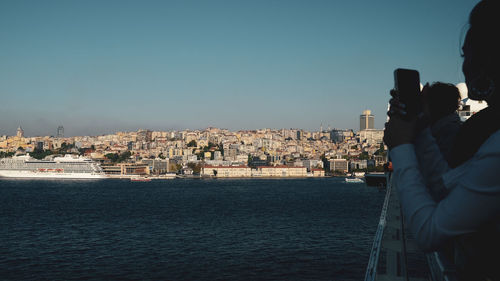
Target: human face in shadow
{"points": [[477, 69], [469, 68]]}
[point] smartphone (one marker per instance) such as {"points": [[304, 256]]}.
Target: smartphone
{"points": [[407, 83]]}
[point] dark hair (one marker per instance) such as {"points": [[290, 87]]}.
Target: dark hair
{"points": [[443, 99], [484, 21], [485, 14]]}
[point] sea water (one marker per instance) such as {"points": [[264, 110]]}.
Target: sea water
{"points": [[186, 229]]}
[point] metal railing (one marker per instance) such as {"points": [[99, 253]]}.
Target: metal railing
{"points": [[394, 254], [371, 270]]}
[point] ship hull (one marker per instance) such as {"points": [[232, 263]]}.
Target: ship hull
{"points": [[48, 175]]}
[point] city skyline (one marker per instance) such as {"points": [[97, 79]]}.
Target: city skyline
{"points": [[100, 67], [20, 131], [230, 153]]}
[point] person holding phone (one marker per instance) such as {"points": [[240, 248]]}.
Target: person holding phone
{"points": [[469, 215]]}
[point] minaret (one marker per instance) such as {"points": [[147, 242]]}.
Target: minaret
{"points": [[20, 132]]}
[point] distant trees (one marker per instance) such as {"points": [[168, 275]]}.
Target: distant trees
{"points": [[65, 148], [210, 147], [40, 153], [174, 167], [112, 156], [192, 144], [326, 164], [201, 155], [338, 173], [124, 156], [84, 150], [6, 154], [117, 158], [364, 156], [376, 169], [195, 167], [221, 148], [381, 151]]}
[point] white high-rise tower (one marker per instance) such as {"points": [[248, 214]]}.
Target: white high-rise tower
{"points": [[366, 120]]}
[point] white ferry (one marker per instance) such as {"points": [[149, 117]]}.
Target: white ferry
{"points": [[69, 166], [353, 180]]}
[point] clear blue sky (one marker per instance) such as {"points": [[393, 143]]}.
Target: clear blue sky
{"points": [[96, 67]]}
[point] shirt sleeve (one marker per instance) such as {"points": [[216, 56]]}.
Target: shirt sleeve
{"points": [[445, 131], [464, 209], [431, 162]]}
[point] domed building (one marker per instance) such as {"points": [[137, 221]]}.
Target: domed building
{"points": [[468, 107]]}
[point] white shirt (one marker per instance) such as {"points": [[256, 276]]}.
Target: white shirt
{"points": [[474, 189]]}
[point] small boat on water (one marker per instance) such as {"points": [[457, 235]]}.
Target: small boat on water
{"points": [[140, 179], [353, 180]]}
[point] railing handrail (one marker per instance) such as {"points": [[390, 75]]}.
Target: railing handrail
{"points": [[371, 270]]}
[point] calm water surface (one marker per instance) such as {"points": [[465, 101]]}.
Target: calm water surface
{"points": [[293, 229]]}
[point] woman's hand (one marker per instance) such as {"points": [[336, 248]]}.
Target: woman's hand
{"points": [[401, 128], [399, 131]]}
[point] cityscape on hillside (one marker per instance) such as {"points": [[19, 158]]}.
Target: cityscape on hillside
{"points": [[221, 152], [214, 151]]}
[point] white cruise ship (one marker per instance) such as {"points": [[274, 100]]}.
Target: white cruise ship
{"points": [[69, 166]]}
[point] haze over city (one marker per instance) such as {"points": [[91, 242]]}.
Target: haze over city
{"points": [[100, 67]]}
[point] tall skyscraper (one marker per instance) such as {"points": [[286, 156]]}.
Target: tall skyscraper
{"points": [[366, 120], [60, 132]]}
